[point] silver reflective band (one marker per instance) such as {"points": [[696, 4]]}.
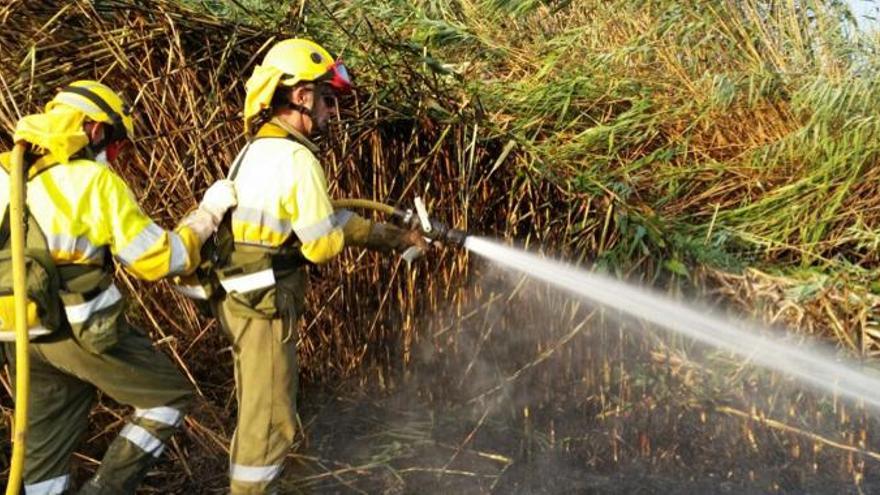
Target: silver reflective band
{"points": [[79, 313], [260, 217], [179, 256], [341, 217], [143, 439], [166, 415], [316, 230], [54, 486], [254, 474], [141, 243], [33, 332], [65, 243], [78, 102], [191, 291], [249, 282]]}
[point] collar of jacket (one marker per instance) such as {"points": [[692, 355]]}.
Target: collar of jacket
{"points": [[278, 129]]}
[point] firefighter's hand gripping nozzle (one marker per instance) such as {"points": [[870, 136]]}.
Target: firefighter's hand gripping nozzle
{"points": [[417, 220]]}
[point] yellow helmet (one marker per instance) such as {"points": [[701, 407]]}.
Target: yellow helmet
{"points": [[290, 62], [100, 104], [304, 60]]}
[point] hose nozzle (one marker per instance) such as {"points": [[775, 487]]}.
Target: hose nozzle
{"points": [[435, 230], [442, 233], [456, 236]]}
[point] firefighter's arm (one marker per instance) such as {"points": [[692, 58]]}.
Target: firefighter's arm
{"points": [[362, 232], [315, 222], [145, 249]]}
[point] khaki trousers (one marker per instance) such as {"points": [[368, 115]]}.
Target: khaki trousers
{"points": [[266, 382]]}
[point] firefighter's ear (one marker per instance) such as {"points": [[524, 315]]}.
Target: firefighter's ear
{"points": [[95, 131], [303, 95]]}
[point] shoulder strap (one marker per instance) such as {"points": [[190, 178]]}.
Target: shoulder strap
{"points": [[233, 170], [218, 241], [5, 229]]}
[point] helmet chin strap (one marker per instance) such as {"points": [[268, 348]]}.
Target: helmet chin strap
{"points": [[98, 148], [317, 88], [302, 109]]}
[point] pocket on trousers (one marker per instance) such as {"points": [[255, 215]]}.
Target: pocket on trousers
{"points": [[101, 331]]}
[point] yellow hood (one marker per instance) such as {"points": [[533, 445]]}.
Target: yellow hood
{"points": [[58, 132], [260, 88]]}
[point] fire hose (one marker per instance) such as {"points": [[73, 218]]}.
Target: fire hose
{"points": [[22, 365]]}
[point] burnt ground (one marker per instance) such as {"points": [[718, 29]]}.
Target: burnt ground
{"points": [[361, 439], [396, 444]]}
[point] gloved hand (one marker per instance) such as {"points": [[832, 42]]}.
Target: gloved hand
{"points": [[205, 219], [415, 244], [413, 238], [219, 198], [386, 237]]}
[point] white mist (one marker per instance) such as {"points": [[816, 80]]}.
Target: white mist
{"points": [[813, 366]]}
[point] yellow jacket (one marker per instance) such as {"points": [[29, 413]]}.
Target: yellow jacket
{"points": [[84, 208], [281, 191]]}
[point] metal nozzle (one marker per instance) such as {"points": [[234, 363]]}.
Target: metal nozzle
{"points": [[442, 233], [431, 228], [457, 237]]}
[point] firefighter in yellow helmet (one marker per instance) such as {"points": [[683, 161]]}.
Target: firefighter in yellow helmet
{"points": [[284, 220], [88, 217]]}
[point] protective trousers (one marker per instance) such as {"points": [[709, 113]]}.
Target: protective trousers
{"points": [[64, 380], [266, 382]]}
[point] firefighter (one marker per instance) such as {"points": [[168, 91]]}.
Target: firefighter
{"points": [[284, 221], [88, 217]]}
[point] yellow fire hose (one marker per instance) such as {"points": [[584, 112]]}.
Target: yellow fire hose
{"points": [[366, 204], [22, 364]]}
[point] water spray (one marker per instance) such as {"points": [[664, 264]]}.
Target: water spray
{"points": [[811, 365], [815, 365]]}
